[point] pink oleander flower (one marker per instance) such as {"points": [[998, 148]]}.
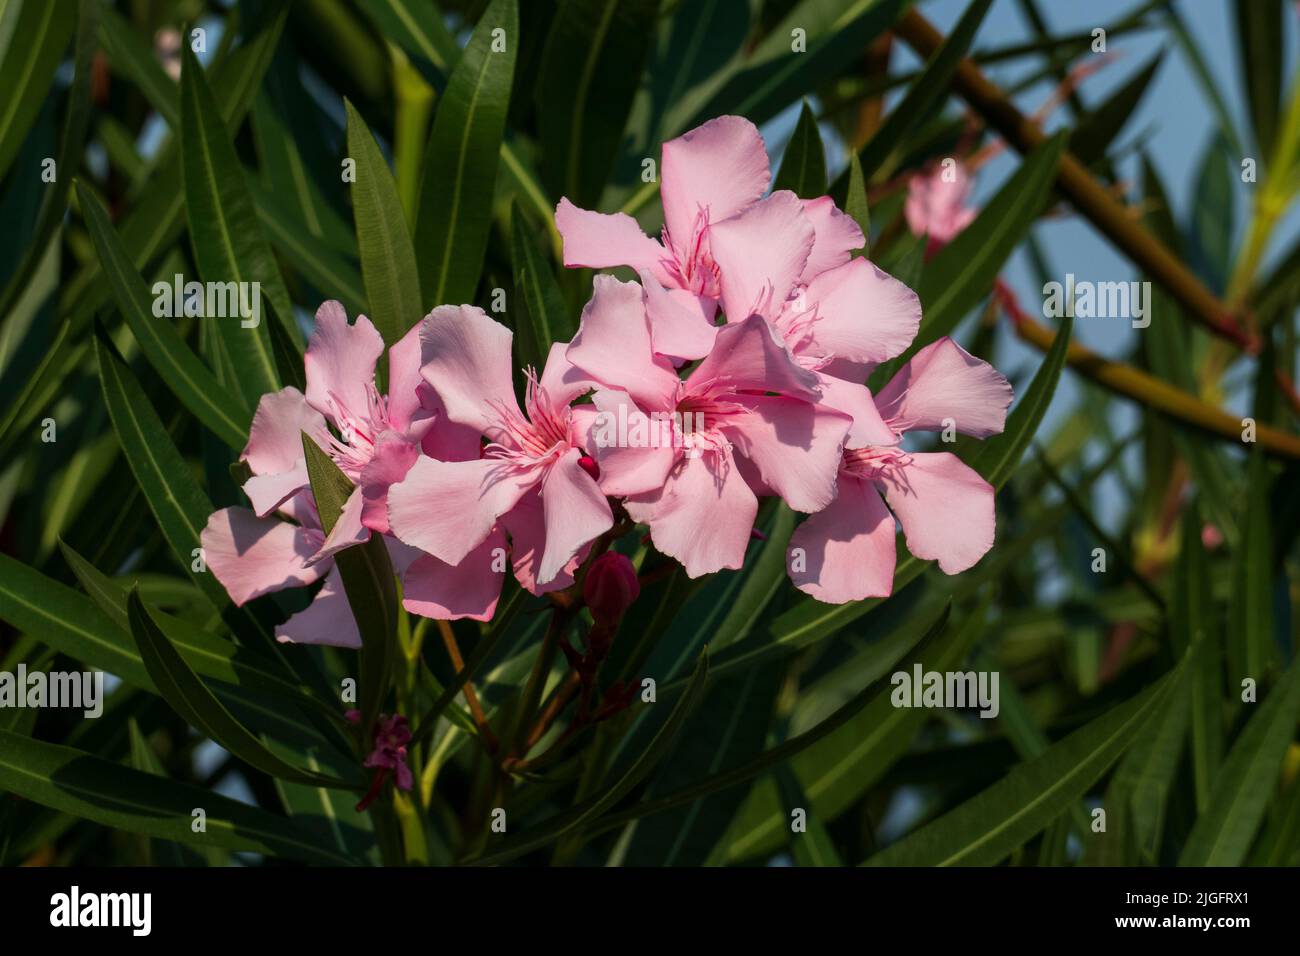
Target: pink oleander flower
{"points": [[747, 407], [253, 553], [936, 203], [530, 485], [945, 508]]}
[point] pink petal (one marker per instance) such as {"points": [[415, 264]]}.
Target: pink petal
{"points": [[275, 437], [340, 362], [760, 254], [392, 459], [561, 380], [747, 355], [595, 240], [946, 509], [268, 492], [442, 438], [348, 529], [449, 592], [702, 516], [846, 552], [855, 401], [448, 508], [252, 556], [863, 314], [613, 345], [467, 361], [575, 514], [720, 168], [944, 381], [836, 236], [328, 619], [526, 525], [634, 450], [797, 446], [681, 323], [404, 379]]}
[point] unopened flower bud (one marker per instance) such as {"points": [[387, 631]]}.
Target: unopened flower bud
{"points": [[610, 588], [588, 464]]}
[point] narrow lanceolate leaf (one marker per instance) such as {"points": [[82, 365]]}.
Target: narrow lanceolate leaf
{"points": [[224, 413], [1248, 778], [803, 167], [856, 203], [929, 89], [40, 33], [231, 251], [169, 488], [89, 787], [999, 455], [545, 318], [1250, 618], [368, 580], [812, 845], [187, 694], [1260, 31], [986, 828], [1098, 129], [640, 768], [962, 272], [592, 65], [55, 200], [460, 170], [387, 257]]}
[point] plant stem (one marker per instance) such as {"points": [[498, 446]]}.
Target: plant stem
{"points": [[471, 698]]}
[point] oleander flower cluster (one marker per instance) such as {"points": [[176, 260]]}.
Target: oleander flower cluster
{"points": [[732, 370]]}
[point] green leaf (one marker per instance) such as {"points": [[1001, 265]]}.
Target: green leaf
{"points": [[545, 318], [929, 90], [803, 167], [591, 65], [225, 234], [225, 414], [107, 793], [856, 203], [987, 828], [1223, 833], [71, 146], [812, 846], [173, 495], [387, 257], [1250, 637], [639, 769], [1097, 129], [460, 170], [1260, 31], [182, 688], [962, 272], [368, 580], [41, 30]]}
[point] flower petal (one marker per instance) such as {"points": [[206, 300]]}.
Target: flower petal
{"points": [[634, 451], [760, 255], [702, 516], [348, 529], [392, 459], [864, 315], [796, 446], [340, 362], [613, 345], [856, 402], [447, 592], [595, 240], [447, 508], [526, 525], [467, 361], [328, 619], [944, 381], [945, 507], [747, 355], [845, 552], [404, 380], [835, 236], [681, 323], [575, 514], [720, 168], [252, 556]]}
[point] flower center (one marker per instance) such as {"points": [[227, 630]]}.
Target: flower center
{"points": [[691, 263], [874, 461]]}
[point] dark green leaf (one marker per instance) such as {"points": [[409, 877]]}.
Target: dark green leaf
{"points": [[803, 167]]}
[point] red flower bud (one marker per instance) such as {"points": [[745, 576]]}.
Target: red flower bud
{"points": [[610, 588], [588, 464]]}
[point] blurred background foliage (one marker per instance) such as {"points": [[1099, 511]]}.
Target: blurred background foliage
{"points": [[1121, 689]]}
